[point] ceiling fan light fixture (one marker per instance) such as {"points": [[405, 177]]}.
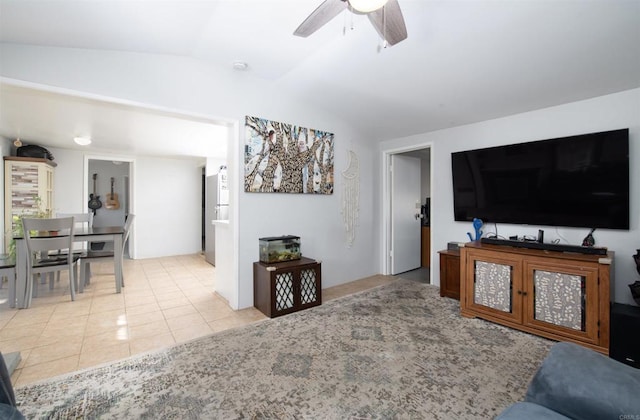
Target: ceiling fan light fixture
{"points": [[366, 6], [82, 141]]}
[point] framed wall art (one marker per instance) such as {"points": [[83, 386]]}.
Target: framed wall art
{"points": [[285, 158]]}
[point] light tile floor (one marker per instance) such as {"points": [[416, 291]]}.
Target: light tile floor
{"points": [[165, 301]]}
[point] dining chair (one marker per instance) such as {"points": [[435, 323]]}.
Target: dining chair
{"points": [[101, 256], [8, 271], [41, 248], [80, 220]]}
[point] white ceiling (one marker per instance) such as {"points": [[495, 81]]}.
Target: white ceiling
{"points": [[464, 61], [53, 119]]}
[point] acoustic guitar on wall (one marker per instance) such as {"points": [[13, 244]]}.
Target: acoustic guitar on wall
{"points": [[112, 199]]}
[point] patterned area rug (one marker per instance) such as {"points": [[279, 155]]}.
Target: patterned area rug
{"points": [[397, 351]]}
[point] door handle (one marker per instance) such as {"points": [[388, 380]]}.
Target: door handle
{"points": [[419, 216]]}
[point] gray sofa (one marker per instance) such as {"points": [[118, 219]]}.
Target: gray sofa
{"points": [[8, 410], [577, 383]]}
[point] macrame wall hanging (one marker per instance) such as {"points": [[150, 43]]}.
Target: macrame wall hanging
{"points": [[351, 197]]}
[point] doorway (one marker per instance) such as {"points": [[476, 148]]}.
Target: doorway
{"points": [[406, 214], [108, 180]]}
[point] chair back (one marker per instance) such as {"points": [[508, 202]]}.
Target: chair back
{"points": [[79, 219], [127, 228], [60, 235], [7, 261]]}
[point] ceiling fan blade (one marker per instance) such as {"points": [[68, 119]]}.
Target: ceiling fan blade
{"points": [[323, 14], [389, 22]]}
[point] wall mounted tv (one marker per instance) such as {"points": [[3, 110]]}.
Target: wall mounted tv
{"points": [[578, 181]]}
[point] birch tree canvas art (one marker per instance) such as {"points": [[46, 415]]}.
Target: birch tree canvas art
{"points": [[285, 158]]}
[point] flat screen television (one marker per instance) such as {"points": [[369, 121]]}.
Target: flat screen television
{"points": [[577, 181]]}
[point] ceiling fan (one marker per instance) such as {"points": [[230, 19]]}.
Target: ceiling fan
{"points": [[385, 16]]}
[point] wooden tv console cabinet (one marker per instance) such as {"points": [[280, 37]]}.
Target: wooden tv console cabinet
{"points": [[558, 295]]}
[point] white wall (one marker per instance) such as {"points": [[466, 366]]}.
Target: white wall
{"points": [[609, 112], [168, 207], [69, 184], [105, 169], [166, 201], [212, 166], [315, 218], [224, 258], [192, 86]]}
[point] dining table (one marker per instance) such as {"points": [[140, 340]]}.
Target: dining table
{"points": [[81, 234]]}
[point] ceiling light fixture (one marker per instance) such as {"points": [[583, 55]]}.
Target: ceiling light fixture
{"points": [[240, 65], [17, 142], [82, 141], [366, 6]]}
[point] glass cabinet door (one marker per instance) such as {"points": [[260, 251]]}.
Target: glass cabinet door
{"points": [[495, 285], [562, 299]]}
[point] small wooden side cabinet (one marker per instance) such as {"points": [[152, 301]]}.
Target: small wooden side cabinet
{"points": [[282, 288], [450, 273]]}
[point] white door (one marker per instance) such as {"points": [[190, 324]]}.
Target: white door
{"points": [[405, 204]]}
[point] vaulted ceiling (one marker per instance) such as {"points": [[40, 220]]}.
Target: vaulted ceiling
{"points": [[463, 61]]}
